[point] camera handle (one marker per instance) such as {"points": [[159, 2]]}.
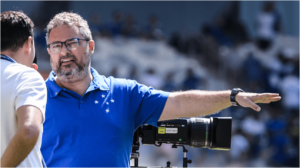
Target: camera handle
{"points": [[185, 159]]}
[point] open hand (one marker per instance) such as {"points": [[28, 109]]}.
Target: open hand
{"points": [[250, 99]]}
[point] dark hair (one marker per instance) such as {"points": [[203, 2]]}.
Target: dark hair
{"points": [[16, 27]]}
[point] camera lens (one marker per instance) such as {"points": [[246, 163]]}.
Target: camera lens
{"points": [[199, 131], [212, 133]]}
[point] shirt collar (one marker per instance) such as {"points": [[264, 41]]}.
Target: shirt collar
{"points": [[99, 82], [8, 58]]}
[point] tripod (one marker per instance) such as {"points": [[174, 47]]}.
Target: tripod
{"points": [[135, 154], [186, 161]]}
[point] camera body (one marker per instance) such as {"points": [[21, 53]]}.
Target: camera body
{"points": [[213, 133]]}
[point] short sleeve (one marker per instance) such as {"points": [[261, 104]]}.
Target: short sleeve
{"points": [[31, 90], [146, 103]]}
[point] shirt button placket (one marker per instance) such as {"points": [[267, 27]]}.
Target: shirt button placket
{"points": [[80, 104]]}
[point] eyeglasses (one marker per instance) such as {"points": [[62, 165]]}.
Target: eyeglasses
{"points": [[71, 44]]}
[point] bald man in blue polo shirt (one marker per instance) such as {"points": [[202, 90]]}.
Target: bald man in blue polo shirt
{"points": [[91, 119]]}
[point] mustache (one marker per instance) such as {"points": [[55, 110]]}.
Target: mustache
{"points": [[66, 57]]}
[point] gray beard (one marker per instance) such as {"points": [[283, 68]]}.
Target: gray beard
{"points": [[76, 74]]}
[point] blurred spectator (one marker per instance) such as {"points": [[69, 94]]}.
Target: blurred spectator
{"points": [[238, 151], [252, 69], [279, 140], [152, 79], [94, 24], [47, 9], [114, 72], [115, 26], [280, 143], [39, 37], [293, 150], [286, 57], [153, 30], [130, 28], [252, 125], [255, 128], [208, 48], [268, 25], [192, 45], [169, 83], [240, 34], [133, 73], [233, 28], [191, 81], [290, 92], [279, 67], [176, 41], [217, 31]]}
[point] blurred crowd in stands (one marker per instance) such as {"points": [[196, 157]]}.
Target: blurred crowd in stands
{"points": [[220, 56], [126, 26]]}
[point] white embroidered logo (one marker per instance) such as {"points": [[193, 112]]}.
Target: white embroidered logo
{"points": [[96, 102]]}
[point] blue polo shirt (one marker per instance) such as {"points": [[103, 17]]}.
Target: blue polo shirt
{"points": [[96, 129]]}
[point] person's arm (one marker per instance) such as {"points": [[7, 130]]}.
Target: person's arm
{"points": [[201, 103], [29, 122]]}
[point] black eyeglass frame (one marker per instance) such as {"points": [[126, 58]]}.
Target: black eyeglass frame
{"points": [[65, 42]]}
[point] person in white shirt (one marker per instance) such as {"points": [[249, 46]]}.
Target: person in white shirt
{"points": [[23, 94]]}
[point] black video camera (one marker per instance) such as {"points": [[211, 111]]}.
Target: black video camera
{"points": [[213, 133]]}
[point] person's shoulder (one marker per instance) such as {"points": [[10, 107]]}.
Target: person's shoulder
{"points": [[114, 81], [26, 69], [119, 82], [18, 67], [24, 72]]}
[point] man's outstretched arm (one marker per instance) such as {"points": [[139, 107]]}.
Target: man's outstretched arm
{"points": [[29, 122], [200, 103]]}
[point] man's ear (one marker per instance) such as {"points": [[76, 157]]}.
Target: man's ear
{"points": [[28, 45], [92, 46]]}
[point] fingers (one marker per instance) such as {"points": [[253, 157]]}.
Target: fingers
{"points": [[275, 98], [271, 99], [253, 106], [270, 94], [267, 98], [34, 66], [265, 102]]}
